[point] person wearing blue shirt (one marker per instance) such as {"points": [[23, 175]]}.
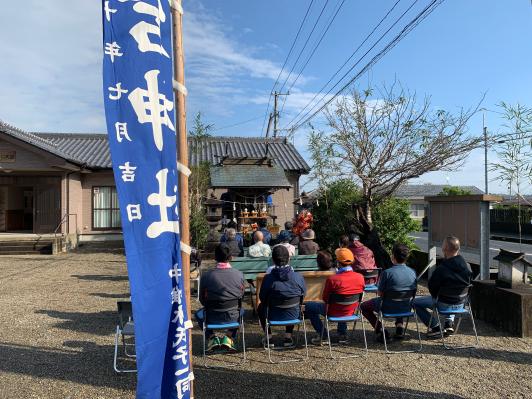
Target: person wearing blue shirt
{"points": [[265, 232], [399, 277]]}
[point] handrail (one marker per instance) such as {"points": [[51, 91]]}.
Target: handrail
{"points": [[66, 219]]}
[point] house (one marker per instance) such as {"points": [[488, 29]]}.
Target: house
{"points": [[63, 182], [415, 194]]}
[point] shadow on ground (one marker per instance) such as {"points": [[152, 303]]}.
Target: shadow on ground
{"points": [[88, 363], [109, 295], [99, 323], [223, 383], [100, 277]]}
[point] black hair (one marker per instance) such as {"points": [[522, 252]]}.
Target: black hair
{"points": [[222, 252], [400, 252], [344, 241], [288, 225], [324, 260], [280, 255], [262, 223]]}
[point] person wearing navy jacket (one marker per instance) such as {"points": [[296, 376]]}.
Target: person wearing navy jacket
{"points": [[281, 283]]}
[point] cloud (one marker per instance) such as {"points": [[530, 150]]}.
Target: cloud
{"points": [[51, 80], [220, 69]]}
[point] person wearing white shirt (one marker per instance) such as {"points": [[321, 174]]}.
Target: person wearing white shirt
{"points": [[259, 249]]}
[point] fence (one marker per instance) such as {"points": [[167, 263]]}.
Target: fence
{"points": [[506, 221]]}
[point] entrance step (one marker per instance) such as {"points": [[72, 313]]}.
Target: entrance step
{"points": [[25, 246]]}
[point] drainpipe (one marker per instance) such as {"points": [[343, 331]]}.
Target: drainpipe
{"points": [[67, 176]]}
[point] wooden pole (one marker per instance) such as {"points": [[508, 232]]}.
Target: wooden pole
{"points": [[182, 152]]}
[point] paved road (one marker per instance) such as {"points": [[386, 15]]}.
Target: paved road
{"points": [[495, 245]]}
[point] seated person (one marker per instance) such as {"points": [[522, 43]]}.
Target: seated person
{"points": [[263, 223], [231, 241], [453, 271], [399, 277], [239, 238], [288, 226], [325, 261], [307, 246], [221, 285], [259, 248], [364, 259], [283, 282], [284, 239], [343, 242], [344, 282]]}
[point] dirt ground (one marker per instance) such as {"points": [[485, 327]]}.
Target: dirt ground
{"points": [[58, 317]]}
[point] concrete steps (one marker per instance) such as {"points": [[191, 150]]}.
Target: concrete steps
{"points": [[30, 246]]}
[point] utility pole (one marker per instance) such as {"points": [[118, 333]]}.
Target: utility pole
{"points": [[275, 112], [485, 160], [485, 154], [182, 155]]}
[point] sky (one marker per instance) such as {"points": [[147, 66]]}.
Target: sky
{"points": [[50, 73]]}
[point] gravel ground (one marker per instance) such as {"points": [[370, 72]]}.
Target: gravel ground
{"points": [[56, 341]]}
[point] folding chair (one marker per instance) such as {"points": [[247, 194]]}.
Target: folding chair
{"points": [[125, 329], [396, 304], [345, 300], [224, 307], [457, 295], [370, 274], [285, 304]]}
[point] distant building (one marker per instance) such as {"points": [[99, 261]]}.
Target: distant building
{"points": [[415, 194], [45, 177]]}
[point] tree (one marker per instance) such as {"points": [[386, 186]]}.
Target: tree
{"points": [[394, 224], [515, 151], [198, 185], [383, 141], [336, 214], [454, 190]]}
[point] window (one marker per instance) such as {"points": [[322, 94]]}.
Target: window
{"points": [[417, 210], [105, 210]]}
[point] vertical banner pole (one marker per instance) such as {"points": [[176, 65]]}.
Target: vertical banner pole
{"points": [[182, 148]]}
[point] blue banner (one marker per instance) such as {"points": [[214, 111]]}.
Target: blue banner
{"points": [[139, 108]]}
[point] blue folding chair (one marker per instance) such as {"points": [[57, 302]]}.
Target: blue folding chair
{"points": [[370, 274], [456, 295], [345, 300], [396, 304], [224, 307], [285, 304]]}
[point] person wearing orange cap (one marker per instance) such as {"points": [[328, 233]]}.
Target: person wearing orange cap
{"points": [[344, 282]]}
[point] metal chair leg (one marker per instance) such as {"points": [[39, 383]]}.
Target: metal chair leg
{"points": [[115, 359], [299, 359]]}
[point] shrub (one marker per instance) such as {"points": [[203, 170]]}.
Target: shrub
{"points": [[392, 220]]}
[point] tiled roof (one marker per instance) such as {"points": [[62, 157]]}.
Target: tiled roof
{"points": [[248, 176], [33, 139], [92, 150], [212, 149], [427, 190]]}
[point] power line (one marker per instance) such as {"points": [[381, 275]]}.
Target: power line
{"points": [[304, 45], [316, 45], [407, 29], [285, 61], [237, 124], [297, 121], [346, 61]]}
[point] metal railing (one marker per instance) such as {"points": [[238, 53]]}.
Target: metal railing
{"points": [[66, 219]]}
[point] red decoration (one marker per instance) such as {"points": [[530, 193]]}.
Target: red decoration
{"points": [[303, 222]]}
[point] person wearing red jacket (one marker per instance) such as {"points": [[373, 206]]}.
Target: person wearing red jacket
{"points": [[344, 282]]}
